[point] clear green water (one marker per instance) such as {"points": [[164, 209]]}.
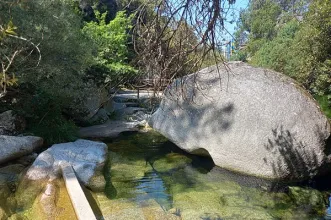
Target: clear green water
{"points": [[150, 178]]}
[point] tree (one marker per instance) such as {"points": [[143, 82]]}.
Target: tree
{"points": [[8, 55], [111, 40], [51, 56], [159, 24], [299, 45]]}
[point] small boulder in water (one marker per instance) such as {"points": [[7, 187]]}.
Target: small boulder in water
{"points": [[83, 155]]}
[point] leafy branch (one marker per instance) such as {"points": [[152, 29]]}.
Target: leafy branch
{"points": [[5, 80]]}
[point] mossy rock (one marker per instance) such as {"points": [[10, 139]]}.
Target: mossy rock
{"points": [[28, 191], [125, 168], [211, 204], [14, 169], [3, 214], [97, 182], [53, 204], [170, 162], [119, 209], [121, 173], [311, 200], [152, 210]]}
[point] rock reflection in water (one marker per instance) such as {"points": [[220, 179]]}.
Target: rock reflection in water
{"points": [[151, 186]]}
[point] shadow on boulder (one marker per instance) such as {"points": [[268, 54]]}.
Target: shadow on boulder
{"points": [[293, 159]]}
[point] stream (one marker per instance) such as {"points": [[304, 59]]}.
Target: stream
{"points": [[148, 177]]}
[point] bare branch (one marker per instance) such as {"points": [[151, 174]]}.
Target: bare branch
{"points": [[173, 38]]}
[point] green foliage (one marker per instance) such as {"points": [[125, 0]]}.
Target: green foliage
{"points": [[295, 40], [263, 21], [112, 43], [46, 118], [325, 103], [51, 87], [7, 57], [272, 54]]}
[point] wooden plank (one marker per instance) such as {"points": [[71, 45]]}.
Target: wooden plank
{"points": [[78, 199]]}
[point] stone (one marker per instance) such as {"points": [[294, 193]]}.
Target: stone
{"points": [[92, 102], [114, 107], [170, 162], [3, 214], [44, 200], [83, 155], [10, 123], [48, 200], [152, 210], [100, 117], [27, 160], [10, 175], [250, 120], [97, 182], [110, 129], [119, 209], [124, 175], [12, 147], [310, 200]]}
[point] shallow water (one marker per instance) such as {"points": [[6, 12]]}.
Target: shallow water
{"points": [[150, 178]]}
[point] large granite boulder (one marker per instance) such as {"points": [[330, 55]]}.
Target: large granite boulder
{"points": [[12, 147], [249, 120]]}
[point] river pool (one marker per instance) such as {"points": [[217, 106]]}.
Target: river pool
{"points": [[148, 177]]}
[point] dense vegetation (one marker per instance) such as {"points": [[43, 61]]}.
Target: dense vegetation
{"points": [[50, 55], [292, 37]]}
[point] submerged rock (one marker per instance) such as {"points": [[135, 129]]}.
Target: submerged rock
{"points": [[3, 214], [97, 182], [250, 120], [12, 147], [10, 176], [129, 209], [124, 174], [309, 199], [170, 162], [43, 200]]}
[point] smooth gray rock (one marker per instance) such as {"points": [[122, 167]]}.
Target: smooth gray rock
{"points": [[12, 147], [84, 156], [100, 117], [113, 107], [109, 129], [94, 100], [249, 120]]}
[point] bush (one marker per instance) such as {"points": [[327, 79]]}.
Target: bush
{"points": [[46, 118]]}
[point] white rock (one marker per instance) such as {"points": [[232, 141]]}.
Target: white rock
{"points": [[83, 155], [12, 147]]}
